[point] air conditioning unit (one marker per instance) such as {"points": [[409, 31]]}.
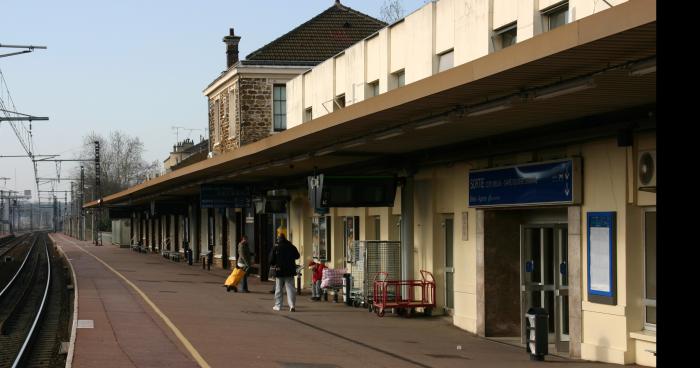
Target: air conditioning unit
{"points": [[646, 171]]}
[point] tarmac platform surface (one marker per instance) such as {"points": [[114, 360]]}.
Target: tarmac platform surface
{"points": [[147, 311]]}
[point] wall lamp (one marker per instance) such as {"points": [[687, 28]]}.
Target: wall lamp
{"points": [[643, 67], [489, 107], [564, 88]]}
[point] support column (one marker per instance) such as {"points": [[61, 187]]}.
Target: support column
{"points": [[575, 284], [480, 291], [407, 229]]}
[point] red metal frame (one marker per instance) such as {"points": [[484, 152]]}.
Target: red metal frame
{"points": [[389, 293]]}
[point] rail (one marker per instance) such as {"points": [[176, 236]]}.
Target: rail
{"points": [[19, 270], [25, 344]]}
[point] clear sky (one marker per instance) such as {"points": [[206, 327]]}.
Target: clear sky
{"points": [[135, 65]]}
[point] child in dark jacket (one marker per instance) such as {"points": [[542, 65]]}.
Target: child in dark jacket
{"points": [[317, 267]]}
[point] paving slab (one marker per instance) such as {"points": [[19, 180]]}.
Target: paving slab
{"points": [[237, 329]]}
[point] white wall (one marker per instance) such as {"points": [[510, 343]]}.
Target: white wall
{"points": [[412, 44]]}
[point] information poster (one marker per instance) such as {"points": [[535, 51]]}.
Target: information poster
{"points": [[601, 257]]}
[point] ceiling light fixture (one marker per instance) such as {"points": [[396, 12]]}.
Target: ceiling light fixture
{"points": [[489, 107], [302, 157], [564, 88], [389, 134], [325, 151], [431, 123], [643, 67], [355, 143]]}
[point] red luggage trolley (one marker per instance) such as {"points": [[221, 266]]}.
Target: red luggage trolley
{"points": [[390, 294]]}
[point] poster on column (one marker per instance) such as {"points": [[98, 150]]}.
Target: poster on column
{"points": [[601, 257]]}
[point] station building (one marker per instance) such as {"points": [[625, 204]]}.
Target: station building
{"points": [[521, 136]]}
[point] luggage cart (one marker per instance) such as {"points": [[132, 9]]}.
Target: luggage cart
{"points": [[367, 258], [403, 295]]}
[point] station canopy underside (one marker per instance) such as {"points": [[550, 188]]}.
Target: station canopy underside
{"points": [[438, 111]]}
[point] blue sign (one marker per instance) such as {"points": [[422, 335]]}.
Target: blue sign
{"points": [[601, 234], [555, 182], [225, 196]]}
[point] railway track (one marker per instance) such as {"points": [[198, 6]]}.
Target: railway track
{"points": [[33, 309], [9, 243]]}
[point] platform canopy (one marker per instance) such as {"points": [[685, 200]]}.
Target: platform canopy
{"points": [[611, 55]]}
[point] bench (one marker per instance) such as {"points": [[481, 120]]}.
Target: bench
{"points": [[165, 253], [175, 256]]}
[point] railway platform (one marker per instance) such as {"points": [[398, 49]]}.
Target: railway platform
{"points": [[141, 310]]}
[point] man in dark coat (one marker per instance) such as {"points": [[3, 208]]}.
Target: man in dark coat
{"points": [[284, 257]]}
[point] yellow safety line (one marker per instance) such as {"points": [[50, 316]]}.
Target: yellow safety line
{"points": [[195, 354]]}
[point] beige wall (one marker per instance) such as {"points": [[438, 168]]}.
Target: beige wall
{"points": [[414, 43]]}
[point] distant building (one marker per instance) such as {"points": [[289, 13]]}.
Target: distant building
{"points": [[186, 153], [248, 101]]}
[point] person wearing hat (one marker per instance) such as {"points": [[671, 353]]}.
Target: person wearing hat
{"points": [[281, 230], [317, 267], [284, 257]]}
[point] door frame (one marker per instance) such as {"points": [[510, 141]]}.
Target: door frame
{"points": [[443, 244], [559, 237]]}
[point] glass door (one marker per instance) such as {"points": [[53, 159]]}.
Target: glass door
{"points": [[562, 288], [544, 279]]}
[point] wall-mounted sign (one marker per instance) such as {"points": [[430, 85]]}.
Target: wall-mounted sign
{"points": [[601, 257], [545, 183], [225, 196]]}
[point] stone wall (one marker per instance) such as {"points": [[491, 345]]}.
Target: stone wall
{"points": [[243, 123], [256, 106]]}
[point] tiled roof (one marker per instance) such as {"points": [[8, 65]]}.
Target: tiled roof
{"points": [[323, 36]]}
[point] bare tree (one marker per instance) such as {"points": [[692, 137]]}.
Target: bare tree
{"points": [[121, 162], [391, 11]]}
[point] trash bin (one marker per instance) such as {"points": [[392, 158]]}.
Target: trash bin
{"points": [[347, 285], [537, 333]]}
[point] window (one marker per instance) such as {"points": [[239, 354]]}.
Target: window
{"points": [[232, 115], [339, 102], [308, 114], [320, 237], [351, 230], [505, 36], [373, 89], [650, 269], [556, 16], [216, 120], [399, 79], [279, 107], [446, 60]]}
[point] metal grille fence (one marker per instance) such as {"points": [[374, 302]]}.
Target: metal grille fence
{"points": [[369, 257]]}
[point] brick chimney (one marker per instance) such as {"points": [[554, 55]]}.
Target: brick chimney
{"points": [[231, 42]]}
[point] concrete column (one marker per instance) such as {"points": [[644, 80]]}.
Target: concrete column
{"points": [[575, 284], [480, 291], [407, 229]]}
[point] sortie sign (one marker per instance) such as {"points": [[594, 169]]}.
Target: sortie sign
{"points": [[544, 183]]}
